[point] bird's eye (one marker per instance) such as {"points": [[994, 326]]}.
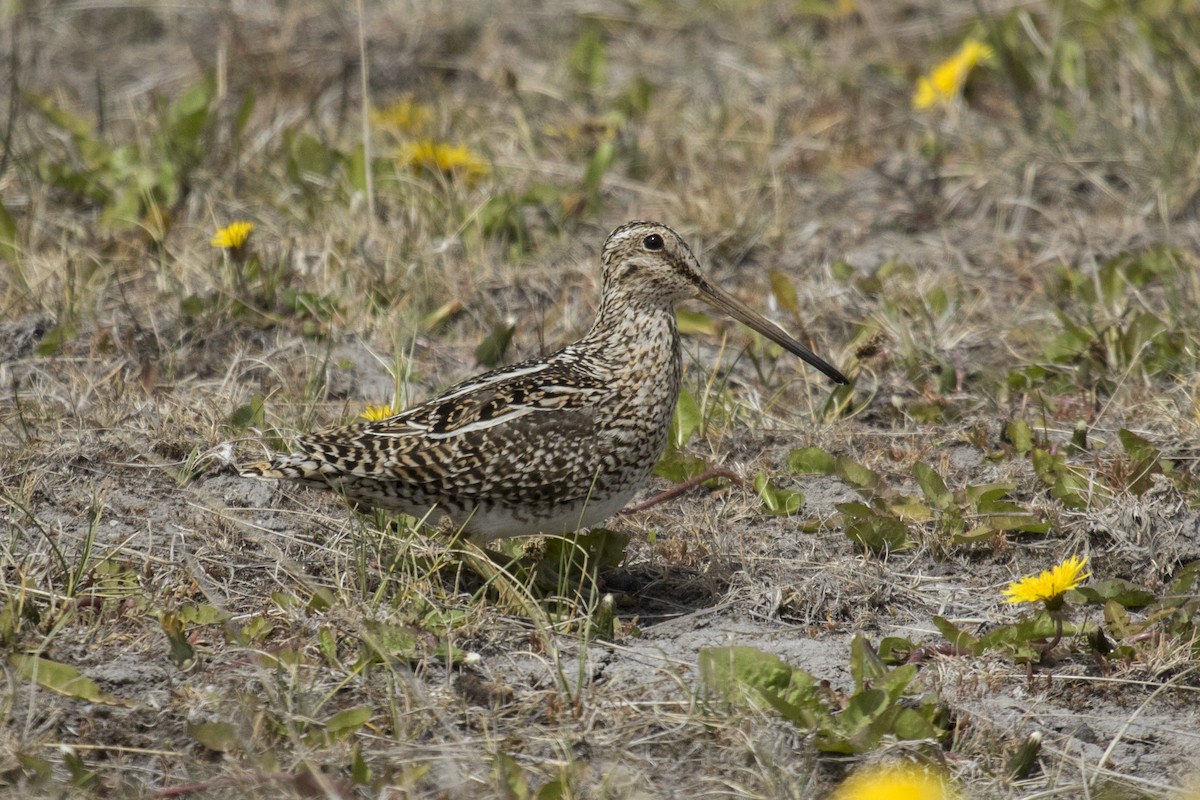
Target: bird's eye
{"points": [[653, 242]]}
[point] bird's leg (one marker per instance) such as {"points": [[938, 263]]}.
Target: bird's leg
{"points": [[689, 484]]}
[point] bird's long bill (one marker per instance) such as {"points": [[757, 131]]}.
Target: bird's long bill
{"points": [[742, 313]]}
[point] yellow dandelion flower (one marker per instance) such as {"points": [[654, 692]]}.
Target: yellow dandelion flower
{"points": [[233, 236], [402, 116], [1050, 585], [440, 157], [374, 413], [946, 81], [896, 782]]}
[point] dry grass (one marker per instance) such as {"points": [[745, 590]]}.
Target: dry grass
{"points": [[1026, 255]]}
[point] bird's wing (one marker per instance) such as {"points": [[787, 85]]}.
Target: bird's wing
{"points": [[529, 428]]}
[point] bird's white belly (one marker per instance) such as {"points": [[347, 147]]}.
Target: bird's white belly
{"points": [[498, 522]]}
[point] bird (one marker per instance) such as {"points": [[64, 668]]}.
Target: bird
{"points": [[550, 445]]}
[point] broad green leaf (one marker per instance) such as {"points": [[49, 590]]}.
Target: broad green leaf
{"points": [[855, 474], [1022, 523], [910, 725], [1127, 593], [911, 510], [877, 532], [685, 420], [596, 549], [932, 486], [785, 292], [220, 737], [61, 678], [349, 720], [10, 242], [54, 339], [1137, 447], [202, 614], [72, 123], [956, 637], [730, 671], [441, 315], [811, 460], [678, 467], [588, 59], [509, 774], [491, 350], [1117, 620], [895, 649], [360, 771], [976, 535], [182, 653], [981, 496], [864, 706], [865, 664], [778, 502], [695, 323], [322, 601], [250, 415], [1144, 328]]}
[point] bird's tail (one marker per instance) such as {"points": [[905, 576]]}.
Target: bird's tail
{"points": [[293, 467]]}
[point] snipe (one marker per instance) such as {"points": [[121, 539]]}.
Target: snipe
{"points": [[549, 445]]}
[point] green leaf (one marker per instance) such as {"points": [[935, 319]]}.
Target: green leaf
{"points": [[588, 59], [729, 671], [877, 532], [54, 339], [186, 120], [778, 502], [61, 678], [956, 637], [10, 242], [510, 776], [202, 614], [932, 486], [220, 737], [811, 460], [1144, 328], [1128, 594], [678, 467], [864, 706], [1019, 435], [855, 474], [251, 415], [349, 720], [182, 653], [695, 323], [245, 109], [595, 550], [491, 350], [360, 772], [785, 292], [983, 496], [322, 600], [865, 664], [597, 166], [686, 419], [895, 649], [911, 726], [75, 125], [1021, 523], [1136, 447]]}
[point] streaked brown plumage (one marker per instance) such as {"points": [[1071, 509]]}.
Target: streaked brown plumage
{"points": [[549, 445]]}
